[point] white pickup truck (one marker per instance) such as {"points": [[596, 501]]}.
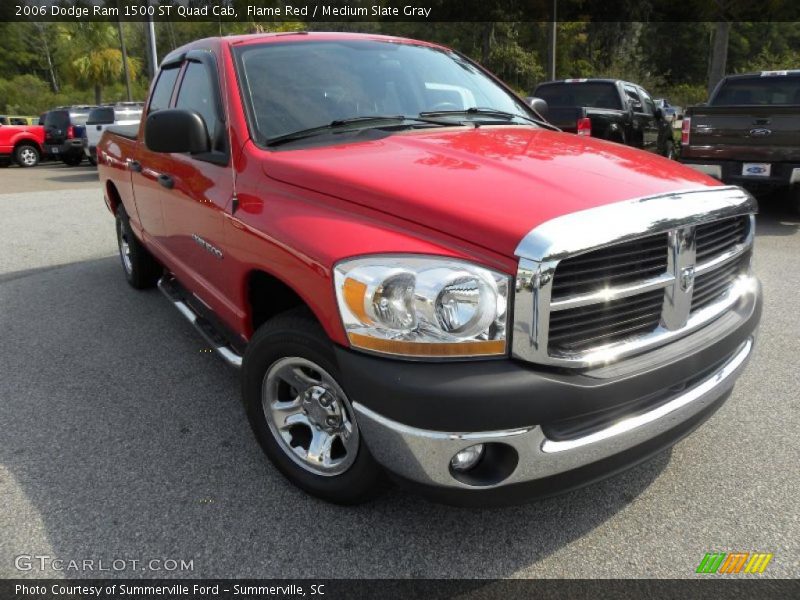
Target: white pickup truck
{"points": [[122, 113]]}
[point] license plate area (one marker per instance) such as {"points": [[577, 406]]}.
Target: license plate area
{"points": [[756, 169]]}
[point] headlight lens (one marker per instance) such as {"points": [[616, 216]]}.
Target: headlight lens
{"points": [[422, 306]]}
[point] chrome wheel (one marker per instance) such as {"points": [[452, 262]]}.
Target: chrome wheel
{"points": [[310, 416], [124, 249], [27, 157]]}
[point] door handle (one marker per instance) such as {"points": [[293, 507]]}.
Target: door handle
{"points": [[134, 165], [166, 181]]}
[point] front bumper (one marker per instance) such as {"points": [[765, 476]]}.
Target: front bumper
{"points": [[544, 430]]}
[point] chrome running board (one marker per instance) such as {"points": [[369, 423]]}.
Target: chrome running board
{"points": [[167, 285]]}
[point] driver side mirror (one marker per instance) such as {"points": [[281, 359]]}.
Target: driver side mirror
{"points": [[537, 104], [176, 130], [659, 113], [636, 106]]}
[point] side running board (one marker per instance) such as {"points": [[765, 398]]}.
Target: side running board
{"points": [[171, 289]]}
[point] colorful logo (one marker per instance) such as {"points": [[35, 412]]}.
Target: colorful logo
{"points": [[734, 562]]}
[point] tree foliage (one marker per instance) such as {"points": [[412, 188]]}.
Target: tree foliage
{"points": [[47, 64]]}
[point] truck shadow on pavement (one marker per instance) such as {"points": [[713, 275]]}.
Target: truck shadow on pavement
{"points": [[124, 437]]}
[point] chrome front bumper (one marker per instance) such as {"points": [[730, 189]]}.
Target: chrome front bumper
{"points": [[423, 456]]}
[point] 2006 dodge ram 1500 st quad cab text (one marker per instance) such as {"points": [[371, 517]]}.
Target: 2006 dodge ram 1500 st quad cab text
{"points": [[418, 276]]}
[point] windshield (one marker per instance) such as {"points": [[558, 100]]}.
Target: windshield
{"points": [[295, 86], [774, 89], [590, 94]]}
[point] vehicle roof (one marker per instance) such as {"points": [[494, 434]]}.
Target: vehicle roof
{"points": [[290, 36], [589, 80], [773, 73]]}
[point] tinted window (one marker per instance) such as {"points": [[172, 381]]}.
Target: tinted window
{"points": [[59, 119], [774, 89], [3, 120], [101, 116], [18, 121], [589, 94], [197, 94], [300, 85], [163, 89]]}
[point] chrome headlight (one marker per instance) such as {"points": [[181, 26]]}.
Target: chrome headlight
{"points": [[422, 306]]}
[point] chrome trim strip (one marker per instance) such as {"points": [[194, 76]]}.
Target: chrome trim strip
{"points": [[676, 213], [626, 425], [424, 455], [614, 293]]}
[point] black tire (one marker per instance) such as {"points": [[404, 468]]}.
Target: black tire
{"points": [[794, 198], [289, 336], [27, 155], [140, 268], [72, 160]]}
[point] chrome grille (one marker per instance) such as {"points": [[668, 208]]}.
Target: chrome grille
{"points": [[616, 280]]}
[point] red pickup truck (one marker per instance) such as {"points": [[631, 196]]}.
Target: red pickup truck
{"points": [[419, 277], [21, 143]]}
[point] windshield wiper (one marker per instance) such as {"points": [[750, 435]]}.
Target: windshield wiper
{"points": [[345, 124], [477, 110]]}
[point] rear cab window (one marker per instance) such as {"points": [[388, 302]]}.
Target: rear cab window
{"points": [[759, 90], [591, 94], [101, 116]]}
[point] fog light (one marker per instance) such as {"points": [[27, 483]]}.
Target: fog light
{"points": [[467, 458]]}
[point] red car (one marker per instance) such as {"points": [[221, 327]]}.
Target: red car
{"points": [[419, 277], [21, 143]]}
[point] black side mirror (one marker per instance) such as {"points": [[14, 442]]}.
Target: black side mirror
{"points": [[537, 104], [636, 106], [659, 113], [176, 130]]}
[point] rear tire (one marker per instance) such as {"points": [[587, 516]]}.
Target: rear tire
{"points": [[140, 268], [27, 155], [794, 199], [72, 160], [300, 414]]}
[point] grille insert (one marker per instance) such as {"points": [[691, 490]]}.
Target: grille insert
{"points": [[708, 287], [719, 237], [615, 265], [579, 329]]}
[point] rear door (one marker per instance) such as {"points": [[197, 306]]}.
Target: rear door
{"points": [[202, 189], [650, 124], [146, 166]]}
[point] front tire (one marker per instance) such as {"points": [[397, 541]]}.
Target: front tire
{"points": [[140, 268], [300, 413], [26, 155]]}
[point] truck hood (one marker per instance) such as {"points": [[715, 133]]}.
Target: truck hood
{"points": [[488, 185]]}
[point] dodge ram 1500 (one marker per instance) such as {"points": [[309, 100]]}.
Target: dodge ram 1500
{"points": [[418, 277]]}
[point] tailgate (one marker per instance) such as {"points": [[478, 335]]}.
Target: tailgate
{"points": [[565, 117], [758, 133]]}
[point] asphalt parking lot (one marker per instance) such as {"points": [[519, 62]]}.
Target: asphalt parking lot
{"points": [[120, 438]]}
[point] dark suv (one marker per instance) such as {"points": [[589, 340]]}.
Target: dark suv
{"points": [[63, 133]]}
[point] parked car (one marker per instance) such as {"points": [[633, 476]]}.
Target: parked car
{"points": [[671, 113], [17, 120], [748, 133], [459, 295], [608, 109], [122, 113], [64, 128], [21, 143]]}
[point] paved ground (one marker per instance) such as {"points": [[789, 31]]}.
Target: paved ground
{"points": [[119, 439]]}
